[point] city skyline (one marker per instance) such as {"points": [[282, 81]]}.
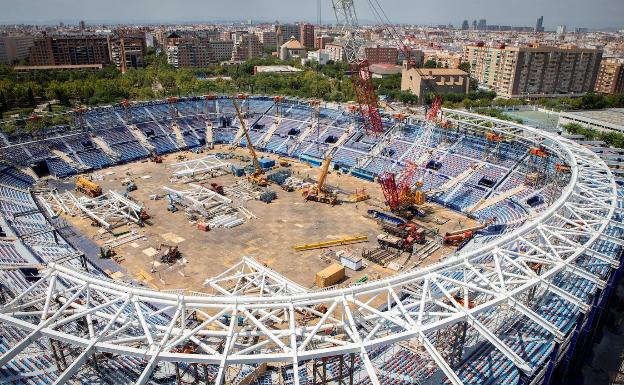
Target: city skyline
{"points": [[600, 14]]}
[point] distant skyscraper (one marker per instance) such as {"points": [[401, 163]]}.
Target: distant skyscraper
{"points": [[83, 25], [561, 30], [465, 25], [482, 26], [539, 26], [474, 25]]}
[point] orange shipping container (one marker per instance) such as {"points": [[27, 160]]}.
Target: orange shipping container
{"points": [[330, 276]]}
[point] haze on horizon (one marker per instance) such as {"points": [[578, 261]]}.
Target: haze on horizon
{"points": [[573, 13]]}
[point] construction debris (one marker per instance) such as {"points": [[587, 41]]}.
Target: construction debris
{"points": [[242, 190]]}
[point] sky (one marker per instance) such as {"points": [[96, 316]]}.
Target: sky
{"points": [[573, 13]]}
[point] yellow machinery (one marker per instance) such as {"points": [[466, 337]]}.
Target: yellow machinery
{"points": [[359, 196], [337, 242], [258, 177], [87, 187], [318, 193]]}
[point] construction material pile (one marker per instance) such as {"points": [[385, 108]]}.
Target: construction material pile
{"points": [[268, 196], [279, 177]]}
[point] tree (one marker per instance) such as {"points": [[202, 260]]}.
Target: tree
{"points": [[430, 64], [407, 97], [31, 98], [464, 66], [3, 103]]}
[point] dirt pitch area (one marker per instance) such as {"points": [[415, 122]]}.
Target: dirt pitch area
{"points": [[286, 222]]}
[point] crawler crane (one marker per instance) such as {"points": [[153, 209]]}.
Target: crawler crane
{"points": [[258, 177]]}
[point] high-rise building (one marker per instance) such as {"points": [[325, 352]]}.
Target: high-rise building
{"points": [[306, 35], [474, 25], [321, 41], [221, 49], [534, 71], [70, 49], [561, 30], [193, 51], [465, 25], [268, 38], [610, 76], [248, 47], [131, 45], [482, 26], [287, 31], [82, 26], [539, 26], [381, 55], [14, 48]]}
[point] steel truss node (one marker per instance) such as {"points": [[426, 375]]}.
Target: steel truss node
{"points": [[199, 198], [259, 316], [199, 166], [109, 210]]}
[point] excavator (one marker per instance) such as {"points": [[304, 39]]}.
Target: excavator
{"points": [[258, 178], [318, 192]]}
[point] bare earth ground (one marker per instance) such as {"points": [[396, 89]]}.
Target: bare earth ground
{"points": [[282, 224]]}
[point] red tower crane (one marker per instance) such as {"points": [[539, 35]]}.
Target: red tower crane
{"points": [[365, 94]]}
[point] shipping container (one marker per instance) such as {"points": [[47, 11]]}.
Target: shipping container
{"points": [[351, 262], [330, 276], [266, 164]]}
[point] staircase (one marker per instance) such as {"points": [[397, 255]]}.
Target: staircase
{"points": [[179, 137], [267, 136], [138, 134], [302, 137], [80, 165], [101, 143]]}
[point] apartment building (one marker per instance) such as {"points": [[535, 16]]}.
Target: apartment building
{"points": [[268, 38], [610, 76], [70, 49], [534, 71], [306, 35], [321, 41], [443, 59], [335, 52], [14, 48], [248, 47], [194, 52], [131, 46], [381, 55]]}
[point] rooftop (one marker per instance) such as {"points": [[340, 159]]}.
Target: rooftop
{"points": [[293, 43], [440, 71], [613, 116], [276, 69]]}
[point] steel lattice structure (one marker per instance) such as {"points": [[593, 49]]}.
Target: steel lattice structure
{"points": [[507, 276]]}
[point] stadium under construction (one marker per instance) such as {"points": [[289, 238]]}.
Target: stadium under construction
{"points": [[267, 240]]}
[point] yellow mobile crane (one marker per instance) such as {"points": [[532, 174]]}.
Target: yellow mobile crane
{"points": [[258, 177], [319, 193]]}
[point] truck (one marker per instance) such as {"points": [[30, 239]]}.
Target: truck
{"points": [[408, 231], [390, 241], [87, 187]]}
